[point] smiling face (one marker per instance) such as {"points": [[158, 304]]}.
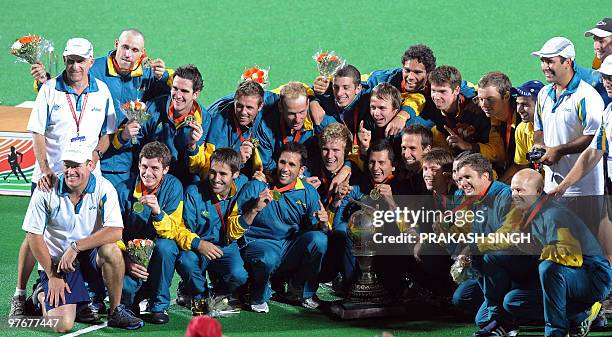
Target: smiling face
{"points": [[345, 91], [412, 149], [382, 111], [220, 177], [434, 176], [525, 106], [380, 166], [246, 109], [602, 46], [183, 95], [415, 75], [77, 68], [554, 70], [333, 154], [471, 182], [289, 168], [151, 172], [76, 175]]}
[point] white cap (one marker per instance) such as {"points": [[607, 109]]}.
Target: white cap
{"points": [[76, 152], [606, 66], [80, 47], [557, 46]]}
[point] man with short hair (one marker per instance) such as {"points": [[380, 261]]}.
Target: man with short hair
{"points": [[71, 108], [235, 119], [151, 206], [526, 96], [496, 100], [602, 46], [417, 141], [282, 225], [289, 122], [460, 124], [573, 271], [210, 212], [181, 120], [72, 232], [568, 115]]}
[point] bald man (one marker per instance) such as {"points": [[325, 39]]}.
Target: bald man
{"points": [[573, 272]]}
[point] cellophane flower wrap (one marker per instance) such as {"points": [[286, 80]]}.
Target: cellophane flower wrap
{"points": [[328, 63], [136, 111], [140, 250], [31, 48]]}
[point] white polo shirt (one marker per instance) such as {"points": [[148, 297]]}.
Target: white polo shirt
{"points": [[603, 139], [576, 112], [53, 118], [53, 215]]}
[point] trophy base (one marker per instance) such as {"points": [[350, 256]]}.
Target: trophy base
{"points": [[351, 310]]}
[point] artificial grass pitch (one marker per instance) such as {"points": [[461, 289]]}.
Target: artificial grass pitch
{"points": [[282, 321]]}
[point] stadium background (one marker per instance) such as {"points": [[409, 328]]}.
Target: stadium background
{"points": [[224, 37]]}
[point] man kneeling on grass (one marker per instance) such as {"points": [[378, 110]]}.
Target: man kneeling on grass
{"points": [[64, 233]]}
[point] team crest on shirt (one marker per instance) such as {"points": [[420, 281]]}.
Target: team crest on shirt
{"points": [[96, 110], [55, 107], [205, 214]]}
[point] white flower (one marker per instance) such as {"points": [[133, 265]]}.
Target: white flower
{"points": [[17, 45]]}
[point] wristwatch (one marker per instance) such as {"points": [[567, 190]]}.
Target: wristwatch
{"points": [[99, 153], [73, 245]]}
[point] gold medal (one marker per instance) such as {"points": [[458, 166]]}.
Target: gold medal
{"points": [[374, 194], [355, 149], [146, 62], [189, 119], [255, 142], [138, 207], [276, 195]]}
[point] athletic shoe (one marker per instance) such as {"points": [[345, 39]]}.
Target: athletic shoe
{"points": [[18, 306], [582, 329], [123, 318], [310, 303], [607, 305], [262, 308], [496, 329], [98, 307], [85, 314]]}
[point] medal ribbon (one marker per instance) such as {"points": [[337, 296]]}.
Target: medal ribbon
{"points": [[73, 110], [238, 131], [297, 136], [472, 199], [535, 211], [286, 188], [222, 216]]}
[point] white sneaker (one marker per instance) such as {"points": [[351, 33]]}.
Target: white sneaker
{"points": [[263, 307], [310, 303]]}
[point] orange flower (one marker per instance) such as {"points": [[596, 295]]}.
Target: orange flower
{"points": [[321, 57], [256, 74], [29, 39]]}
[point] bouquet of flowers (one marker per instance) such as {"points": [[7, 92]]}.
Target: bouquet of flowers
{"points": [[136, 111], [256, 74], [140, 251], [328, 63], [31, 48]]}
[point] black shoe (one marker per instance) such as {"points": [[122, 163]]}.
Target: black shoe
{"points": [[86, 315], [159, 317], [182, 298]]}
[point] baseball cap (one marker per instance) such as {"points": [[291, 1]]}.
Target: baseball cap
{"points": [[606, 66], [80, 47], [602, 29], [557, 46], [76, 152], [529, 88]]}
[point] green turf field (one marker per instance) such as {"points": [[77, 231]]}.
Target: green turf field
{"points": [[224, 37]]}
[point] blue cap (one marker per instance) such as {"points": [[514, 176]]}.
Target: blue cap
{"points": [[529, 88]]}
